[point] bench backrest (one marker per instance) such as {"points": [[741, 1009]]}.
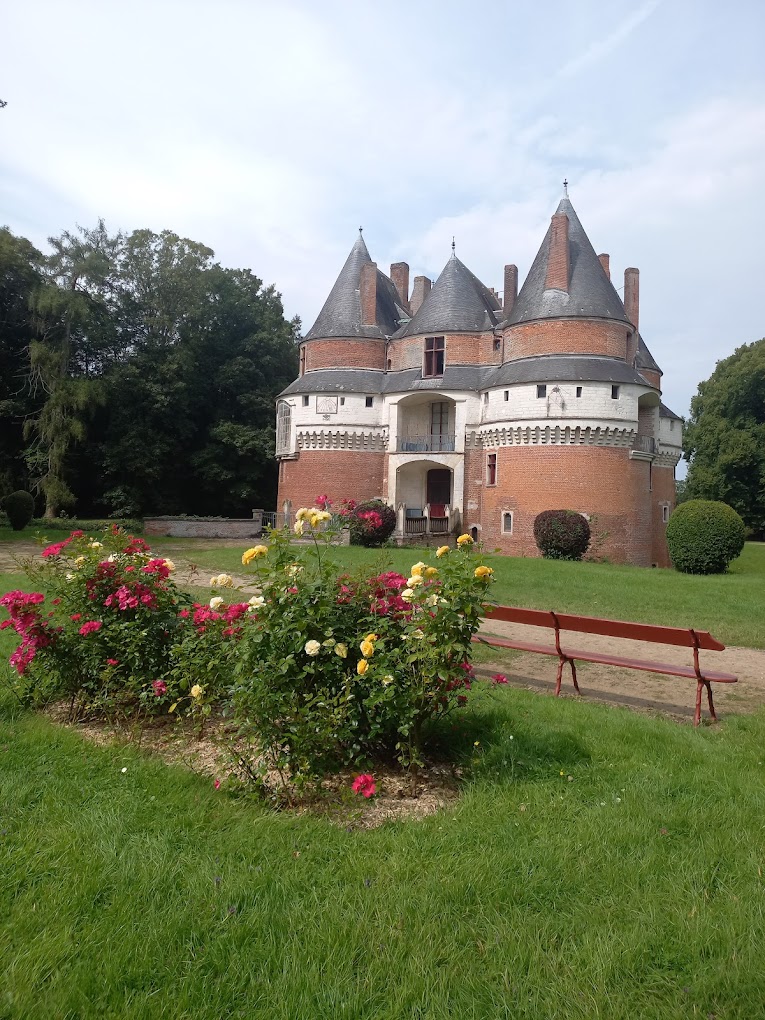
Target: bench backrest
{"points": [[608, 628]]}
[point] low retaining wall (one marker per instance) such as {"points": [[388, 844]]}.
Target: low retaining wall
{"points": [[205, 527]]}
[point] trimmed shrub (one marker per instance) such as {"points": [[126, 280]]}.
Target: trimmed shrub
{"points": [[703, 536], [19, 508], [561, 534], [371, 523]]}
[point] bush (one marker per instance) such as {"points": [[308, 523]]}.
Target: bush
{"points": [[371, 523], [19, 508], [562, 534], [703, 536]]}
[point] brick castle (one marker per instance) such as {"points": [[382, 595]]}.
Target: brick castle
{"points": [[464, 411]]}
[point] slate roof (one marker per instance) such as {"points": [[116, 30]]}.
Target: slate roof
{"points": [[664, 412], [564, 368], [590, 293], [541, 369], [341, 314], [457, 303], [644, 358]]}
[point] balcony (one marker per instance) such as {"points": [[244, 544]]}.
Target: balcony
{"points": [[643, 447], [426, 444]]}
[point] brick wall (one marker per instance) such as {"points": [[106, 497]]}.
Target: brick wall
{"points": [[663, 495], [601, 482], [339, 474], [341, 353], [566, 336], [461, 349]]}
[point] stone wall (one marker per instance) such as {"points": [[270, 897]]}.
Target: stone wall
{"points": [[205, 527]]}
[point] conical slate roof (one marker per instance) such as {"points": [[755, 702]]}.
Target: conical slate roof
{"points": [[341, 314], [644, 358], [458, 303], [590, 293]]}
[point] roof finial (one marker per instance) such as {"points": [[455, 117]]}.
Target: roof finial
{"points": [[361, 230], [565, 187], [453, 247]]}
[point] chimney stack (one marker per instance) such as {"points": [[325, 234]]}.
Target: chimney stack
{"points": [[420, 291], [511, 289], [558, 258], [399, 273], [632, 295], [368, 294], [605, 261]]}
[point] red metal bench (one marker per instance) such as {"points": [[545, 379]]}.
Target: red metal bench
{"points": [[559, 622]]}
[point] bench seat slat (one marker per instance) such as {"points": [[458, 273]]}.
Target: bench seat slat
{"points": [[665, 668], [655, 633]]}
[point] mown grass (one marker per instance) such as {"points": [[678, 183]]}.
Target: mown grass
{"points": [[729, 605], [634, 889]]}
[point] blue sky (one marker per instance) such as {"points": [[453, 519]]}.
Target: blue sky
{"points": [[271, 131]]}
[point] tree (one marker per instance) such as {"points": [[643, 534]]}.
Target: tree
{"points": [[724, 440]]}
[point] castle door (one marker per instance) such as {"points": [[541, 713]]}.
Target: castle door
{"points": [[439, 490]]}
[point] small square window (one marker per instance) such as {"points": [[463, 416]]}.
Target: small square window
{"points": [[507, 522], [486, 398], [491, 469], [542, 390], [305, 401], [369, 401], [614, 392], [497, 343], [579, 391], [507, 394], [342, 401]]}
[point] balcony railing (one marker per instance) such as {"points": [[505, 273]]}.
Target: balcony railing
{"points": [[426, 444], [644, 444]]}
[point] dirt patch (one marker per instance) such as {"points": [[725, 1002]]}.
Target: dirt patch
{"points": [[398, 797]]}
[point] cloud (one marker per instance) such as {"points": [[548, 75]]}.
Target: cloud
{"points": [[602, 47]]}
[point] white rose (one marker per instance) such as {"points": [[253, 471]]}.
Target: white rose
{"points": [[312, 647], [216, 602]]}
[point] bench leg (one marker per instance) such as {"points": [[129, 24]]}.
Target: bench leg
{"points": [[697, 715], [561, 662]]}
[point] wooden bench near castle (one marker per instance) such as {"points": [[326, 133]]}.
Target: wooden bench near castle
{"points": [[649, 633]]}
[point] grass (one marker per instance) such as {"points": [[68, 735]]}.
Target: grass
{"points": [[633, 890], [729, 605]]}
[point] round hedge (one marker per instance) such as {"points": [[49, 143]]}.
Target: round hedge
{"points": [[19, 508], [703, 536], [562, 534], [371, 523]]}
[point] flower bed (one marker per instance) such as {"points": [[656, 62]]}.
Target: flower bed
{"points": [[319, 670]]}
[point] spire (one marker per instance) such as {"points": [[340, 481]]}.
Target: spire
{"points": [[458, 303], [342, 316], [589, 292]]}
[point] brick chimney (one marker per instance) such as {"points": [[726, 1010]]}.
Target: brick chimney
{"points": [[632, 295], [399, 273], [558, 258], [605, 261], [368, 294], [420, 291], [511, 289]]}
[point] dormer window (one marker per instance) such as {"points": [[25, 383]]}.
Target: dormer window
{"points": [[434, 356]]}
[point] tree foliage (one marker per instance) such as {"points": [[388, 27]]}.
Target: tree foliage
{"points": [[704, 536], [562, 534], [725, 437]]}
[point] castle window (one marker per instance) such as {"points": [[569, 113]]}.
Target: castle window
{"points": [[305, 401], [283, 424], [486, 398], [342, 401], [507, 522], [507, 394], [491, 469], [369, 401], [389, 364], [542, 390], [579, 391], [302, 360], [497, 343], [434, 356], [665, 514], [614, 392]]}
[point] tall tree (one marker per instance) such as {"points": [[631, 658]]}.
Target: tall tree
{"points": [[724, 441]]}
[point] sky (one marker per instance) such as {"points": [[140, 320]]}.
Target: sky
{"points": [[270, 131]]}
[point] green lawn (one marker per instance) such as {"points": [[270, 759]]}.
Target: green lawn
{"points": [[633, 890], [729, 605]]}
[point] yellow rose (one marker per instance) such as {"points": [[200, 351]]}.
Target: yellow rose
{"points": [[315, 520], [362, 666], [371, 637], [367, 649], [387, 679], [464, 540], [414, 581], [341, 650], [407, 594], [442, 551], [303, 514], [79, 561], [170, 565], [298, 529], [254, 553], [483, 572], [431, 572], [197, 691], [417, 569]]}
